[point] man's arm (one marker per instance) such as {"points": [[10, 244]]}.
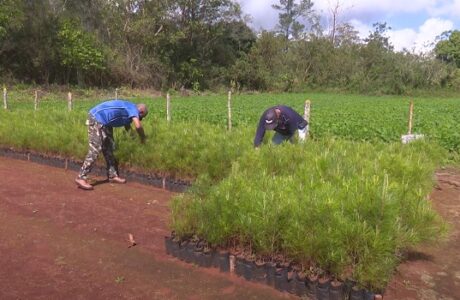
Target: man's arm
{"points": [[296, 122], [260, 132], [139, 129]]}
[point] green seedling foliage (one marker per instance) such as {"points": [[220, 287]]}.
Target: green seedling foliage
{"points": [[339, 204]]}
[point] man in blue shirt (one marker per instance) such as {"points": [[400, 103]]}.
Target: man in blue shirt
{"points": [[285, 121], [101, 120]]}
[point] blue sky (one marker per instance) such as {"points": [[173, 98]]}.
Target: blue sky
{"points": [[415, 23]]}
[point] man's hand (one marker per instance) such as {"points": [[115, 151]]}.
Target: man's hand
{"points": [[140, 132], [143, 139], [303, 133], [139, 129], [130, 132]]}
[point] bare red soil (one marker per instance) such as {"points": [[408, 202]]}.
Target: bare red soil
{"points": [[60, 242]]}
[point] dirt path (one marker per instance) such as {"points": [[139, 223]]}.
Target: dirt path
{"points": [[59, 242]]}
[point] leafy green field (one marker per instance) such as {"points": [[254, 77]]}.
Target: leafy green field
{"points": [[350, 116]]}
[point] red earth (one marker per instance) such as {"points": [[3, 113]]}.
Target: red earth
{"points": [[60, 242]]}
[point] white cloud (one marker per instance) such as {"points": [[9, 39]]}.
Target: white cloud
{"points": [[403, 38], [261, 12], [362, 28], [417, 40], [380, 7], [421, 40], [445, 8]]}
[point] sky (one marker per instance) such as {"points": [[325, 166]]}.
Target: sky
{"points": [[415, 24]]}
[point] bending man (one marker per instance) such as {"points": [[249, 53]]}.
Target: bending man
{"points": [[101, 120], [285, 121]]}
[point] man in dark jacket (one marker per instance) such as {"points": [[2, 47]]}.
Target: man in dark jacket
{"points": [[285, 121], [101, 120]]}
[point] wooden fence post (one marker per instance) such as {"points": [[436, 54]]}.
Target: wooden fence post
{"points": [[36, 100], [116, 94], [168, 107], [229, 108], [306, 113], [411, 113], [69, 101], [5, 98]]}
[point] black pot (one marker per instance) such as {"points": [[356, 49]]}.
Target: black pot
{"points": [[190, 252], [336, 290], [168, 245], [248, 269], [198, 256], [271, 272], [312, 283], [281, 279], [239, 265], [368, 295], [322, 289], [215, 258], [207, 259], [182, 251], [171, 246], [291, 285], [301, 285], [174, 247], [259, 272], [224, 261], [356, 293]]}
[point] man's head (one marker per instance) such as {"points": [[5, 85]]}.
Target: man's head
{"points": [[142, 110], [271, 119]]}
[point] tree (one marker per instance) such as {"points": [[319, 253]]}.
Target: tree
{"points": [[79, 50], [201, 29], [337, 27], [263, 66], [290, 13], [11, 19], [345, 35], [138, 33], [11, 16], [30, 50], [378, 37], [448, 49]]}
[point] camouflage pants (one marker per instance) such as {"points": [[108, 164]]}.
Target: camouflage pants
{"points": [[100, 139]]}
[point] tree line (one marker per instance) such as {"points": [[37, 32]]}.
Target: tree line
{"points": [[208, 44]]}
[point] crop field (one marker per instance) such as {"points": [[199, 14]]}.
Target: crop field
{"points": [[354, 117], [348, 202]]}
